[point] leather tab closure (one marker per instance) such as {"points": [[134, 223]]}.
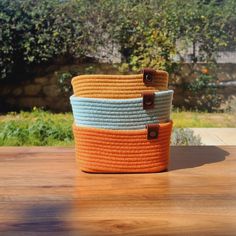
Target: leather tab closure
{"points": [[152, 131], [148, 100], [148, 75]]}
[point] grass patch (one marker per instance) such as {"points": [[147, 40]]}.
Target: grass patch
{"points": [[42, 128], [188, 119], [36, 128]]}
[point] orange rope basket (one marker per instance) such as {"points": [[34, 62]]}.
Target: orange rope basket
{"points": [[119, 86], [123, 151]]}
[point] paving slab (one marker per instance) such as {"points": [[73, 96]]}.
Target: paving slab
{"points": [[216, 136]]}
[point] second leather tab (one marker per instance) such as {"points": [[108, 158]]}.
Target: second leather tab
{"points": [[148, 100]]}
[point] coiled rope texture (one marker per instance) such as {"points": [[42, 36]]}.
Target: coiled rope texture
{"points": [[121, 113], [117, 86], [122, 151]]}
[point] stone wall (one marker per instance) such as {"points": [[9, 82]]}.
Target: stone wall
{"points": [[226, 87], [39, 92], [45, 91]]}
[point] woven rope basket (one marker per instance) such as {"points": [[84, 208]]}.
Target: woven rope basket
{"points": [[125, 114], [123, 151], [119, 86]]}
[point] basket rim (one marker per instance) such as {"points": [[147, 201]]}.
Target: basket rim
{"points": [[164, 93]]}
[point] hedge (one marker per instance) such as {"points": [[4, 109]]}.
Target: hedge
{"points": [[145, 31]]}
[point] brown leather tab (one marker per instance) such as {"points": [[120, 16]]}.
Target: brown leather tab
{"points": [[148, 100], [148, 75], [152, 131]]}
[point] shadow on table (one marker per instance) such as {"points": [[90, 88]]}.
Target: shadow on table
{"points": [[40, 218], [194, 156]]}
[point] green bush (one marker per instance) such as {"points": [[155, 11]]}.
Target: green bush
{"points": [[38, 32], [185, 137], [37, 129], [64, 81], [139, 31], [146, 32], [204, 87]]}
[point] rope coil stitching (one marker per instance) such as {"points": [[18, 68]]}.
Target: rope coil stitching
{"points": [[121, 113], [117, 86], [115, 151]]}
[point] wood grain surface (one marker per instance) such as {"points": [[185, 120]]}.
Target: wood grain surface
{"points": [[42, 192]]}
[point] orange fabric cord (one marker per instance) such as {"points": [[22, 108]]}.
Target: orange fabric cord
{"points": [[118, 86], [122, 151]]}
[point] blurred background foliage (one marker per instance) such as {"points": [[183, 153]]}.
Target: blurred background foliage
{"points": [[146, 31]]}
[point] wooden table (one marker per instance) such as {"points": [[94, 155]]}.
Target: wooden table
{"points": [[42, 192]]}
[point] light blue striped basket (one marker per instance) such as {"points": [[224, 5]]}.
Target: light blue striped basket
{"points": [[126, 114]]}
